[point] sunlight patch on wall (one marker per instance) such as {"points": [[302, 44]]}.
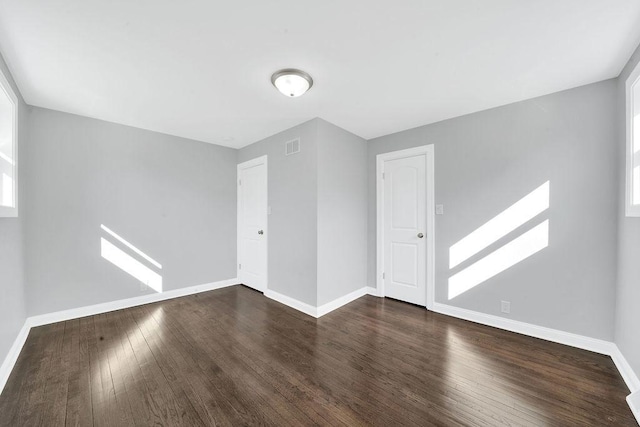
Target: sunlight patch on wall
{"points": [[498, 261], [502, 224], [130, 246], [128, 264]]}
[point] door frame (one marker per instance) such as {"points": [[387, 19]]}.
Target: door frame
{"points": [[429, 153], [241, 166]]}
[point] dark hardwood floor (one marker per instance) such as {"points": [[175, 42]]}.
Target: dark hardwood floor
{"points": [[234, 357]]}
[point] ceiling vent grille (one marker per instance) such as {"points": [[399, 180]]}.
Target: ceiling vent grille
{"points": [[292, 147]]}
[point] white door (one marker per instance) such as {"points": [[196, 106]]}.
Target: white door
{"points": [[252, 223], [405, 228]]}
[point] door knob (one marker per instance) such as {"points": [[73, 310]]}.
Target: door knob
{"points": [[260, 232], [420, 235]]}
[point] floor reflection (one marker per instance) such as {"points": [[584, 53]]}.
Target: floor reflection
{"points": [[234, 357]]}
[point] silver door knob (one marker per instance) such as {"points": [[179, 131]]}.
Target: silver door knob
{"points": [[260, 232], [420, 235]]}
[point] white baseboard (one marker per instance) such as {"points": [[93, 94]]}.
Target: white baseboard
{"points": [[373, 291], [91, 310], [339, 302], [12, 357], [629, 376], [633, 400], [554, 335], [75, 313], [316, 311], [292, 302]]}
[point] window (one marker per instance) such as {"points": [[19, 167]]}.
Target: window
{"points": [[633, 143], [8, 150]]}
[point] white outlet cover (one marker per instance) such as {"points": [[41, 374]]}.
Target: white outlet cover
{"points": [[505, 307], [439, 209]]}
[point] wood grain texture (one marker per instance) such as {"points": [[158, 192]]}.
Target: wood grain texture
{"points": [[234, 357]]}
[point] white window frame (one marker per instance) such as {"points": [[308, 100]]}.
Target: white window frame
{"points": [[5, 211], [632, 210]]}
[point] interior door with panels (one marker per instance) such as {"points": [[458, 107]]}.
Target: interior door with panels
{"points": [[405, 224], [252, 223]]}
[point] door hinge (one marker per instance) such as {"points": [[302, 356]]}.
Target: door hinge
{"points": [[239, 182], [383, 275], [239, 266], [382, 175]]}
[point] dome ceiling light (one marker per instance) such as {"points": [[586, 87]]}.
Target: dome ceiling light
{"points": [[291, 82]]}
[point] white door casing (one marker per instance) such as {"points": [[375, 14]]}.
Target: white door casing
{"points": [[405, 191], [252, 223]]}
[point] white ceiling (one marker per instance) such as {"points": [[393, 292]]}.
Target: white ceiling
{"points": [[201, 68]]}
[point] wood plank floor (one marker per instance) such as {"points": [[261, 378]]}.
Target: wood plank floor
{"points": [[234, 357]]}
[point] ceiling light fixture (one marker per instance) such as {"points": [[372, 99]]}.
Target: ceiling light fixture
{"points": [[291, 82]]}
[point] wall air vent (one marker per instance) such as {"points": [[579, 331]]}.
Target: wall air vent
{"points": [[292, 147]]}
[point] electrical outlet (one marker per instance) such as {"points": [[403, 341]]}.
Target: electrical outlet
{"points": [[439, 209], [505, 307], [143, 287]]}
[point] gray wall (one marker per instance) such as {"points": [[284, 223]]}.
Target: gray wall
{"points": [[487, 161], [627, 313], [12, 284], [292, 196], [342, 212], [172, 198]]}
